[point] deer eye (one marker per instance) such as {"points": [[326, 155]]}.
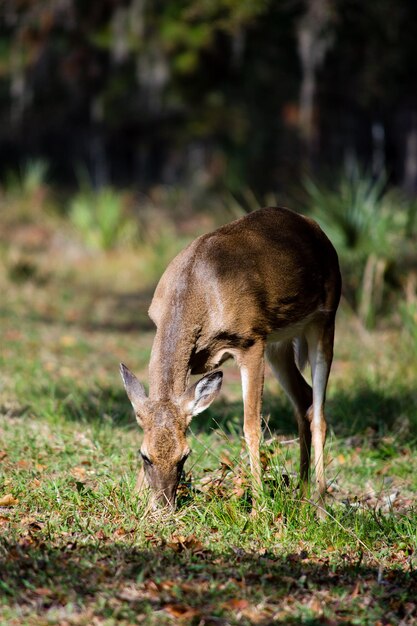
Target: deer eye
{"points": [[145, 459]]}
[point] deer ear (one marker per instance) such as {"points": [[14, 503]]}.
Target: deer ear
{"points": [[199, 396], [134, 389]]}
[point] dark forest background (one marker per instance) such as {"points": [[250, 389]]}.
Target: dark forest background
{"points": [[231, 93]]}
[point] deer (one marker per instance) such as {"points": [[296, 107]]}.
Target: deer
{"points": [[265, 286]]}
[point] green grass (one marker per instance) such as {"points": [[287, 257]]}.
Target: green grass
{"points": [[76, 545]]}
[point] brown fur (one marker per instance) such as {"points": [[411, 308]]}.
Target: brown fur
{"points": [[261, 282]]}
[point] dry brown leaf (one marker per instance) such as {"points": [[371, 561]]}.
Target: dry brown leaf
{"points": [[179, 543], [180, 611], [315, 605], [264, 458], [23, 464], [79, 473], [356, 591], [4, 520], [43, 591], [100, 535], [166, 585], [67, 341], [3, 454], [255, 615], [236, 604], [27, 519], [226, 460], [35, 525], [131, 594], [8, 500]]}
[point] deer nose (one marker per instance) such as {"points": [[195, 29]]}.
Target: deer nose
{"points": [[165, 498], [169, 497]]}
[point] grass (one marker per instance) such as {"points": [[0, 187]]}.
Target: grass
{"points": [[76, 545]]}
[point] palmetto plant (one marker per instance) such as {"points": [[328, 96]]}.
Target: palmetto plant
{"points": [[100, 217], [366, 223], [26, 191], [30, 177]]}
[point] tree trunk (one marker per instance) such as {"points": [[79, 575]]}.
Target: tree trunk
{"points": [[314, 39]]}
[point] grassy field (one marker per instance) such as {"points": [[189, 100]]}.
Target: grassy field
{"points": [[78, 548]]}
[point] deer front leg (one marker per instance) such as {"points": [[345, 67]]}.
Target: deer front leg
{"points": [[252, 374]]}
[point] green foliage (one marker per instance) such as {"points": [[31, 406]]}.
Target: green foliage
{"points": [[359, 214], [25, 190], [408, 312], [101, 219], [28, 180], [367, 224]]}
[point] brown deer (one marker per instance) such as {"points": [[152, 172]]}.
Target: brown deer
{"points": [[268, 283]]}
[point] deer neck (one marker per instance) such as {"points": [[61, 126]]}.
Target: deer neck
{"points": [[169, 367]]}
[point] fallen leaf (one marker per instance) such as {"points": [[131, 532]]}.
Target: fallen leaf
{"points": [[4, 520], [226, 460], [13, 335], [67, 341], [28, 541], [79, 473], [36, 526], [356, 590], [3, 454], [131, 594], [167, 585], [42, 591], [23, 464], [236, 604], [180, 611], [315, 605], [8, 500], [100, 535], [179, 543], [256, 616]]}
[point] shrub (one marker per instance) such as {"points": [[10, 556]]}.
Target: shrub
{"points": [[26, 192], [101, 218], [367, 224]]}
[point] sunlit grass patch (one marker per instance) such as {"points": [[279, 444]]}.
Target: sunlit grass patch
{"points": [[77, 544]]}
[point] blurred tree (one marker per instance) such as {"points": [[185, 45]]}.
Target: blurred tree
{"points": [[232, 93], [314, 35]]}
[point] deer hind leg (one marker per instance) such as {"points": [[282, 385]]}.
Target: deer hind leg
{"points": [[320, 354], [252, 367], [281, 358]]}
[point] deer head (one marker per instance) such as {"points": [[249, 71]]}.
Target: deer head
{"points": [[164, 447]]}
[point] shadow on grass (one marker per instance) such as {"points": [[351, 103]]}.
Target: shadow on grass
{"points": [[201, 586], [365, 411], [119, 312]]}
